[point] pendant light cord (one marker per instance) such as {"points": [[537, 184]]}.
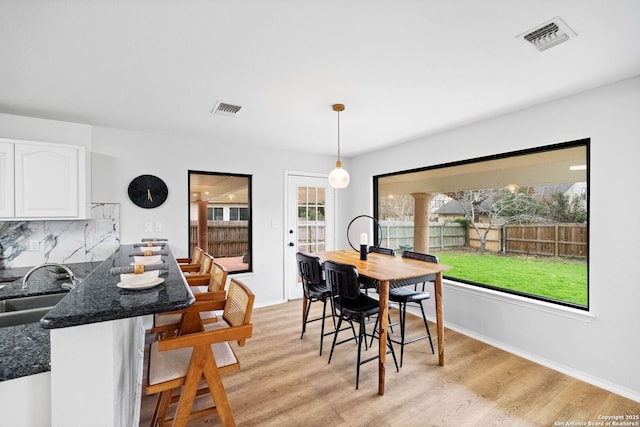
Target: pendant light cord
{"points": [[338, 135]]}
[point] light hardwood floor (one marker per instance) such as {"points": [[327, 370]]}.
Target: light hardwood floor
{"points": [[284, 382]]}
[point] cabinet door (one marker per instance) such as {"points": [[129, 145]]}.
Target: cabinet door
{"points": [[6, 180], [46, 180]]}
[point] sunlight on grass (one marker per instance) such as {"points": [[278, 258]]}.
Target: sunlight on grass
{"points": [[559, 279]]}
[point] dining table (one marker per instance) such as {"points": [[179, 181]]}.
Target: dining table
{"points": [[386, 269]]}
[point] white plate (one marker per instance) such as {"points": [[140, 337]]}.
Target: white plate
{"points": [[139, 286], [153, 263], [146, 260], [145, 277]]}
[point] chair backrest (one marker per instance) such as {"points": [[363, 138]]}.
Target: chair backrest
{"points": [[238, 306], [384, 251], [206, 263], [218, 279], [310, 271], [422, 257], [343, 279], [197, 254]]}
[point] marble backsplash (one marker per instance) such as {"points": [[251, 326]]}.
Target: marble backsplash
{"points": [[28, 243]]}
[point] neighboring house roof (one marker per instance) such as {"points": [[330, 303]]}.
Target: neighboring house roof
{"points": [[547, 189], [453, 207]]}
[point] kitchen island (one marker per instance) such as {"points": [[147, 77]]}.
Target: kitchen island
{"points": [[96, 336], [25, 349]]}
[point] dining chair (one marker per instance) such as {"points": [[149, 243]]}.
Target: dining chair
{"points": [[365, 282], [351, 305], [422, 257], [399, 293], [315, 289], [177, 365]]}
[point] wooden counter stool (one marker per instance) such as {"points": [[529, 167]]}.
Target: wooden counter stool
{"points": [[178, 364], [204, 287]]}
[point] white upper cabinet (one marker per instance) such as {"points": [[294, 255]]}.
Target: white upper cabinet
{"points": [[6, 180], [49, 180]]}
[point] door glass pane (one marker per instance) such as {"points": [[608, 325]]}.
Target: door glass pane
{"points": [[311, 222]]}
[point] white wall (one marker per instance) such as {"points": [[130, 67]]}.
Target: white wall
{"points": [[121, 155], [33, 129], [602, 348]]}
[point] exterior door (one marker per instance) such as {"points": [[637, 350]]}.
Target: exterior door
{"points": [[310, 223]]}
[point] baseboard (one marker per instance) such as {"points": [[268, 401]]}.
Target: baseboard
{"points": [[606, 385]]}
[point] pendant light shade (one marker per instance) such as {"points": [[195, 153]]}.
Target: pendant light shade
{"points": [[338, 178]]}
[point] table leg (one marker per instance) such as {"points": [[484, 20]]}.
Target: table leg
{"points": [[382, 342], [439, 320]]}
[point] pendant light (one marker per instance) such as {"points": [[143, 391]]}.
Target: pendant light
{"points": [[338, 178]]}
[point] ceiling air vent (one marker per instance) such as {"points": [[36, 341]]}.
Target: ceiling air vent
{"points": [[548, 34], [225, 109]]}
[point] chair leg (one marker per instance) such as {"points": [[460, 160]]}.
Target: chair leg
{"points": [[426, 326], [333, 312], [216, 388], [306, 318], [393, 354], [335, 338], [160, 413], [361, 331], [324, 312], [403, 319], [373, 333]]}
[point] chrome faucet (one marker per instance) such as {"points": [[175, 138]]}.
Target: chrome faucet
{"points": [[71, 285]]}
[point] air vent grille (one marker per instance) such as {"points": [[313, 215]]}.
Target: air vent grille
{"points": [[226, 109], [548, 34]]}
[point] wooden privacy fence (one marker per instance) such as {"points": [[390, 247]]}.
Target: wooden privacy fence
{"points": [[399, 235], [493, 240], [569, 240], [310, 232], [557, 240], [224, 238]]}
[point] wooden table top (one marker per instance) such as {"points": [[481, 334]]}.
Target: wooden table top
{"points": [[383, 267]]}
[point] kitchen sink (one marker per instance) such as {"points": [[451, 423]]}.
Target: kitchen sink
{"points": [[18, 311]]}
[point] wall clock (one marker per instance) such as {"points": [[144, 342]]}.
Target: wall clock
{"points": [[148, 191]]}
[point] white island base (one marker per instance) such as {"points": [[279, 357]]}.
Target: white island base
{"points": [[96, 374]]}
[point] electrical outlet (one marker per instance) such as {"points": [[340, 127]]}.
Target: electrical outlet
{"points": [[148, 227], [34, 245], [158, 227]]}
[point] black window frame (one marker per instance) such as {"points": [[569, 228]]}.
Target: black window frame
{"points": [[249, 207], [586, 142]]}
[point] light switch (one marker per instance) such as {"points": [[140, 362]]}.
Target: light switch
{"points": [[158, 227], [148, 227]]}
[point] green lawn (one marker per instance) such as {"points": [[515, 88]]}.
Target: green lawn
{"points": [[564, 280]]}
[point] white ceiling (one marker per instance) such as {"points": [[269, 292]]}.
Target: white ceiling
{"points": [[404, 69]]}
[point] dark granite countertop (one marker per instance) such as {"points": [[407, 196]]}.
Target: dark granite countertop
{"points": [[99, 299], [40, 282], [25, 349]]}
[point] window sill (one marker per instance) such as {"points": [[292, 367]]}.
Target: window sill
{"points": [[532, 304]]}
